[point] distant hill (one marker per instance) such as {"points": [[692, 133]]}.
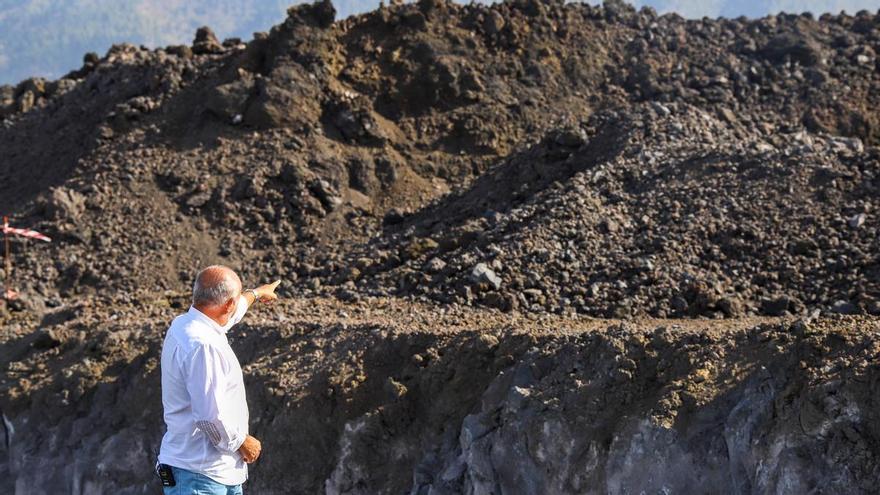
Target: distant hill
{"points": [[43, 38]]}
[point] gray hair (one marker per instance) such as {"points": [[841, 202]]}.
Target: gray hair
{"points": [[214, 286]]}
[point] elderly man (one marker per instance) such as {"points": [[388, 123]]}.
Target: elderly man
{"points": [[206, 447]]}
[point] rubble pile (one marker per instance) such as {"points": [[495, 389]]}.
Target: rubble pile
{"points": [[630, 164]]}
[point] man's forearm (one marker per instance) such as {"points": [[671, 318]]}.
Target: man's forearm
{"points": [[223, 439], [264, 293], [251, 296]]}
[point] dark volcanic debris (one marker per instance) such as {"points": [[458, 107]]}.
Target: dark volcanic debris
{"points": [[453, 195], [598, 160]]}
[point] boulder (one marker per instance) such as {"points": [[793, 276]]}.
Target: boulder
{"points": [[326, 194], [206, 42], [434, 265], [66, 204], [493, 23], [320, 13], [792, 46], [355, 123], [228, 100], [857, 220], [482, 274], [776, 306], [844, 307], [288, 98]]}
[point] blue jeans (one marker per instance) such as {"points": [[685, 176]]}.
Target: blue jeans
{"points": [[190, 483]]}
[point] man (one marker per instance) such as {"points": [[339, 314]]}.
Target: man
{"points": [[206, 446]]}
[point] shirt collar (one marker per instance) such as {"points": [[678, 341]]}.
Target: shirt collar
{"points": [[195, 313]]}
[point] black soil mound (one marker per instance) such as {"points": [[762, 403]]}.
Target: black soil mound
{"points": [[530, 156]]}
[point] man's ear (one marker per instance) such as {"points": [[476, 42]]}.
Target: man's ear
{"points": [[230, 305]]}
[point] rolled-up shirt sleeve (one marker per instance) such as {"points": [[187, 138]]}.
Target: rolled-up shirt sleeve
{"points": [[207, 383]]}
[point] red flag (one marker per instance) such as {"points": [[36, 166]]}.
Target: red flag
{"points": [[26, 233]]}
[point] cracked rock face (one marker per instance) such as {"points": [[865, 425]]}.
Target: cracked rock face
{"points": [[765, 434], [379, 396]]}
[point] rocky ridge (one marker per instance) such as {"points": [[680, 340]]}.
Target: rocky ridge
{"points": [[345, 157]]}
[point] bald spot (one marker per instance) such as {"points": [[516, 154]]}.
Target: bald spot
{"points": [[215, 275]]}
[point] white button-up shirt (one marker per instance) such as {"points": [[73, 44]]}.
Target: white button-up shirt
{"points": [[203, 396]]}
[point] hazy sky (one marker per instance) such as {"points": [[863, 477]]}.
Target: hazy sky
{"points": [[49, 37], [757, 8]]}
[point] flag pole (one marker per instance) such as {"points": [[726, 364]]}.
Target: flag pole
{"points": [[7, 260]]}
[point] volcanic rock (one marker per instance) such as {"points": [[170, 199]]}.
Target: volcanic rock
{"points": [[206, 42]]}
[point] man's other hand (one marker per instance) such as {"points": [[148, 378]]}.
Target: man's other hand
{"points": [[250, 449], [266, 293]]}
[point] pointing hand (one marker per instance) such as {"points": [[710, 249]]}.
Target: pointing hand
{"points": [[266, 293]]}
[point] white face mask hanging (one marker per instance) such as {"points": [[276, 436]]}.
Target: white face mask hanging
{"points": [[231, 321]]}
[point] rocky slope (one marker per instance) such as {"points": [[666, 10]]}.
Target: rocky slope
{"points": [[451, 194], [665, 210], [596, 160], [391, 397]]}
